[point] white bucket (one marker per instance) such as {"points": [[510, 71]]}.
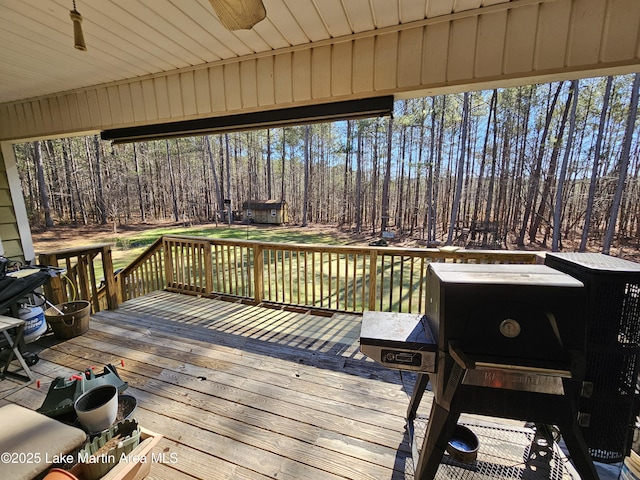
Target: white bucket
{"points": [[35, 324], [97, 408]]}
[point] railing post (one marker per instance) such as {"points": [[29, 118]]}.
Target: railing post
{"points": [[168, 263], [258, 272], [373, 278], [208, 270], [119, 281], [53, 289], [84, 291], [110, 281]]}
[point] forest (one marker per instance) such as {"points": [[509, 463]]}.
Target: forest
{"points": [[545, 166]]}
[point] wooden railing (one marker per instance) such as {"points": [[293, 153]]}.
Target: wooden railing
{"points": [[144, 275], [342, 278], [89, 276], [320, 277]]}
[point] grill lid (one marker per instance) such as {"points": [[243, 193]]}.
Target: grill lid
{"points": [[596, 262], [493, 274], [399, 330]]}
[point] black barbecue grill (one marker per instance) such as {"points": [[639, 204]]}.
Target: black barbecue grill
{"points": [[509, 342], [613, 349]]}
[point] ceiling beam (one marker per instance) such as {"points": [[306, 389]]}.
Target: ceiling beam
{"points": [[347, 110]]}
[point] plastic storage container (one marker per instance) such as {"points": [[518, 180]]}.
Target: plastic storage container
{"points": [[95, 467]]}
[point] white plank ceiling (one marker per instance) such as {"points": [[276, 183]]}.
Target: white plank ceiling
{"points": [[137, 38]]}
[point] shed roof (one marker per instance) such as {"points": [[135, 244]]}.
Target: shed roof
{"points": [[263, 204]]}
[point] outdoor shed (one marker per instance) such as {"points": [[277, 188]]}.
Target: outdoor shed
{"points": [[266, 211]]}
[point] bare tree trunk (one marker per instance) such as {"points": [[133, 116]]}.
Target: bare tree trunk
{"points": [[416, 197], [284, 156], [557, 213], [54, 185], [42, 185], [591, 196], [460, 173], [172, 185], [345, 182], [143, 215], [387, 179], [269, 180], [398, 217], [492, 177], [438, 167], [517, 172], [66, 147], [628, 197], [623, 166], [123, 172], [311, 213], [551, 173], [179, 181], [236, 169], [76, 185], [216, 183], [429, 218], [465, 197], [483, 161], [359, 181], [100, 203], [305, 200], [228, 155], [251, 173], [534, 179], [375, 181], [158, 193]]}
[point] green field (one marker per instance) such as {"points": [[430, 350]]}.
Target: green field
{"points": [[127, 247]]}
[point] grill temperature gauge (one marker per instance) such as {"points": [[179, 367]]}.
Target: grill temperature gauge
{"points": [[510, 328]]}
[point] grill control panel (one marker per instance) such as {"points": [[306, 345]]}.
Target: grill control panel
{"points": [[399, 358], [399, 340]]}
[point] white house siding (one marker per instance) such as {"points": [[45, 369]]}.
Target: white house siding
{"points": [[503, 44], [15, 236]]}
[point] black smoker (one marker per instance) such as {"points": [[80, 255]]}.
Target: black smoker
{"points": [[510, 343], [608, 414]]}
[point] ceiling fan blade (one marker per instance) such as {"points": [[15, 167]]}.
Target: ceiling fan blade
{"points": [[239, 14]]}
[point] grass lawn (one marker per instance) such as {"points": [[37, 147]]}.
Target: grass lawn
{"points": [[126, 249], [130, 241], [330, 282]]}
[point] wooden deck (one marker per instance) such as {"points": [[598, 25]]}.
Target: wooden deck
{"points": [[240, 391], [245, 392]]}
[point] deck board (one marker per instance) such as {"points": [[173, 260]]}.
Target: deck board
{"points": [[240, 391]]}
